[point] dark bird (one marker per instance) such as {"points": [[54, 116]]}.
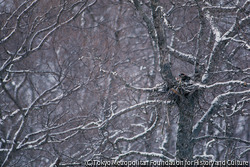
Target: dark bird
{"points": [[184, 77]]}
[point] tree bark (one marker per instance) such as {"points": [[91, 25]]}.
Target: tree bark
{"points": [[184, 144]]}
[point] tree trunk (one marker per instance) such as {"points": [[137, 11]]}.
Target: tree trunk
{"points": [[184, 144]]}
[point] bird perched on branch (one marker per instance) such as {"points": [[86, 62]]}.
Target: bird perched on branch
{"points": [[184, 77], [185, 84]]}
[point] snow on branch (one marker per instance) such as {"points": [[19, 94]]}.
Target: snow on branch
{"points": [[30, 107], [221, 9], [24, 120], [152, 31], [63, 139], [56, 163], [47, 31], [144, 154], [232, 82], [147, 20], [182, 56], [125, 83], [222, 138], [238, 107], [214, 28], [29, 7], [128, 109], [32, 72], [215, 105], [131, 139], [35, 143], [244, 43], [44, 136], [100, 124], [222, 40], [58, 25]]}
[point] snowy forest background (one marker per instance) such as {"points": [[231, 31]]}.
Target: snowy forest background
{"points": [[86, 79]]}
